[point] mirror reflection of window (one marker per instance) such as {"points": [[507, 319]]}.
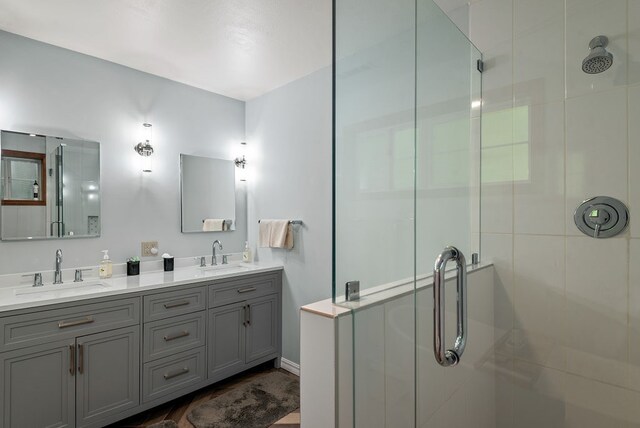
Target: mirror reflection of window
{"points": [[505, 145], [22, 177], [23, 169]]}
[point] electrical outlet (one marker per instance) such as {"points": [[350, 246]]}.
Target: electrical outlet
{"points": [[148, 248]]}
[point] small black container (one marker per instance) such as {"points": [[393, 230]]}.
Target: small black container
{"points": [[168, 264], [133, 268]]}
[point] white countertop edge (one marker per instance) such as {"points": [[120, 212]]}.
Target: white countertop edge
{"points": [[381, 294], [121, 285]]}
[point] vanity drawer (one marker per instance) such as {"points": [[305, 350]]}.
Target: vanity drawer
{"points": [[47, 326], [167, 375], [171, 303], [167, 337], [238, 289]]}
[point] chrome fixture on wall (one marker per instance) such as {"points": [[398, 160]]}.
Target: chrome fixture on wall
{"points": [[601, 217], [241, 162], [145, 149], [598, 59]]}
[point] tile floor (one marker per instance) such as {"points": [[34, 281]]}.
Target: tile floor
{"points": [[178, 409]]}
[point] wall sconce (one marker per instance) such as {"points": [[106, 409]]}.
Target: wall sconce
{"points": [[145, 149], [241, 162]]}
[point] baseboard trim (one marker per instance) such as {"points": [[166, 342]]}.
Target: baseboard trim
{"points": [[290, 366]]}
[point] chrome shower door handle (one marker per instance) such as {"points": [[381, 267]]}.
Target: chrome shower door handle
{"points": [[452, 356]]}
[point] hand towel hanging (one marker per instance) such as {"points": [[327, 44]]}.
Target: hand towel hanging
{"points": [[213, 225]]}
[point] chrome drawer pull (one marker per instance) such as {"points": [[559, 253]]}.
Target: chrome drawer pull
{"points": [[72, 359], [168, 376], [176, 304], [247, 290], [80, 358], [65, 324], [176, 336]]}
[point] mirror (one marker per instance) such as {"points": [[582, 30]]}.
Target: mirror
{"points": [[50, 187], [208, 194]]}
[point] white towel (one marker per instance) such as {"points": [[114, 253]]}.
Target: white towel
{"points": [[275, 234], [213, 225], [281, 234], [264, 233]]}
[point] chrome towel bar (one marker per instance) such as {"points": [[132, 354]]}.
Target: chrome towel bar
{"points": [[290, 221]]}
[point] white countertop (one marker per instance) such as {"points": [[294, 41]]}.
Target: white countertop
{"points": [[16, 293]]}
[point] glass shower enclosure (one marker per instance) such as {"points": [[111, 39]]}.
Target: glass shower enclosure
{"points": [[407, 115]]}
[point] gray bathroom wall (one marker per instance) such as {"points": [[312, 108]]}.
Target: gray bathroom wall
{"points": [[54, 91], [289, 133]]}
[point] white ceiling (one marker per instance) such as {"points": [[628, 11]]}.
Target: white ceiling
{"points": [[238, 48]]}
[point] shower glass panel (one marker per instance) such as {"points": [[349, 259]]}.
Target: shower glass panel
{"points": [[81, 180], [374, 143], [57, 197], [406, 176], [75, 202]]}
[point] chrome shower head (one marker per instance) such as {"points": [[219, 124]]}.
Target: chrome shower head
{"points": [[598, 59]]}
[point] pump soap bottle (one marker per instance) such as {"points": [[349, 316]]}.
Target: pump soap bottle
{"points": [[106, 267], [246, 254]]}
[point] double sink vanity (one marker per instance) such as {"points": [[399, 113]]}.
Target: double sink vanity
{"points": [[87, 352], [90, 353]]}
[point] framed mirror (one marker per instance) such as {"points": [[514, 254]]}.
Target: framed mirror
{"points": [[50, 187], [208, 194]]}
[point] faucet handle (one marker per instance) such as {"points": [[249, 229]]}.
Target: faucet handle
{"points": [[203, 262], [224, 259], [37, 279], [78, 276]]}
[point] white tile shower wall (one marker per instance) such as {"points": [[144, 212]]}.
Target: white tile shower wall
{"points": [[289, 137], [58, 92], [572, 357]]}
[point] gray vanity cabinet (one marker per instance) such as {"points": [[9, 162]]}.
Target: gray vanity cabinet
{"points": [[107, 374], [100, 370], [174, 343], [244, 324], [242, 333], [262, 327], [91, 363], [85, 370], [226, 340], [37, 387]]}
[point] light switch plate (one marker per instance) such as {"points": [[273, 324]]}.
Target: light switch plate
{"points": [[148, 248]]}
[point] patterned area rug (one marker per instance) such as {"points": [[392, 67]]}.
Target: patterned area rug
{"points": [[257, 404], [164, 424]]}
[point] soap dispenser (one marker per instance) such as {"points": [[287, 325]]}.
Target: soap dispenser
{"points": [[106, 267], [246, 254]]}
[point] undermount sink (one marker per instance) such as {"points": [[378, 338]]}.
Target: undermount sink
{"points": [[62, 289], [224, 269]]}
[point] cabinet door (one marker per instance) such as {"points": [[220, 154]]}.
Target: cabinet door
{"points": [[226, 339], [262, 327], [37, 386], [108, 379]]}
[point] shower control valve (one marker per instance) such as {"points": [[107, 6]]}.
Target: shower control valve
{"points": [[601, 217]]}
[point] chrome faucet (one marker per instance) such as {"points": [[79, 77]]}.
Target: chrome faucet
{"points": [[214, 260], [57, 275]]}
